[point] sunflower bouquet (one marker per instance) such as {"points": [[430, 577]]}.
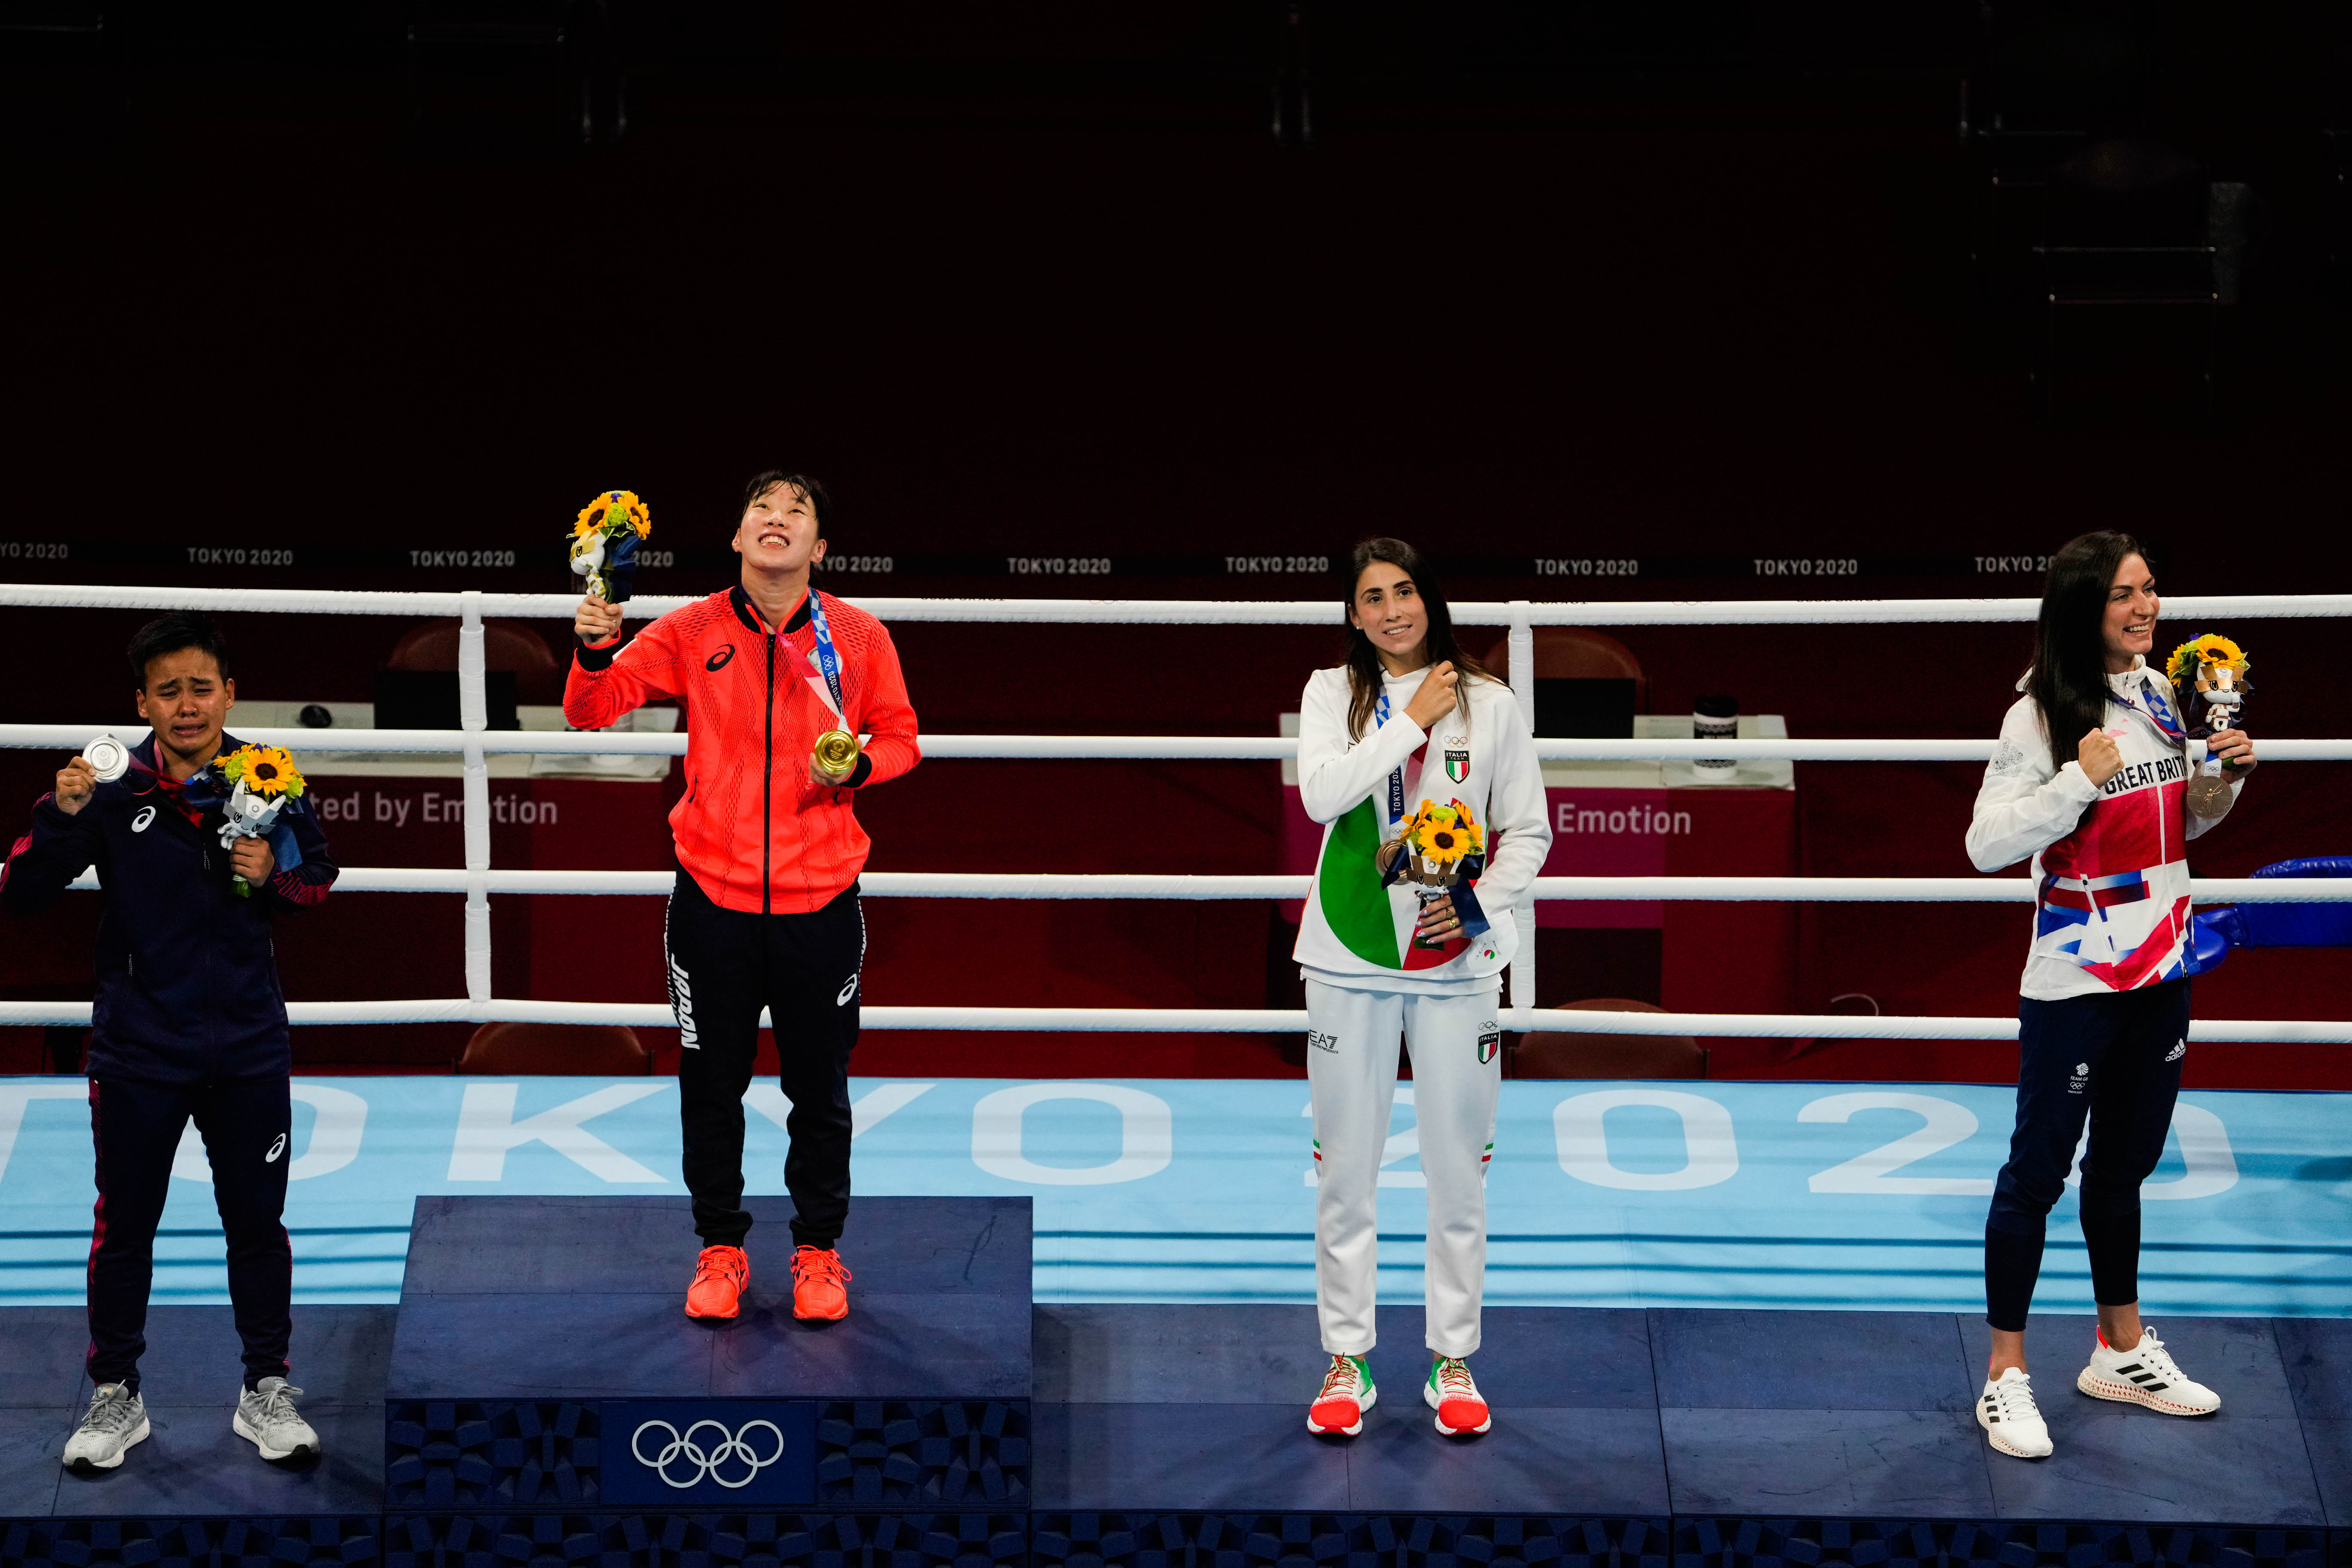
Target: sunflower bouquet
{"points": [[260, 780], [604, 540], [2210, 670], [1440, 850], [2214, 668]]}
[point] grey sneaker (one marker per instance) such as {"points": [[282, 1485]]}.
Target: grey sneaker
{"points": [[116, 1420], [267, 1419]]}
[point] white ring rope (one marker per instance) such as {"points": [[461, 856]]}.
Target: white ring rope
{"points": [[1170, 612], [1122, 885], [1237, 1020], [475, 742], [1242, 748]]}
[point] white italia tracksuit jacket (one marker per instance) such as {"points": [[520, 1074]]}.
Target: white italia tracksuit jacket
{"points": [[2110, 861], [1355, 933], [1367, 985]]}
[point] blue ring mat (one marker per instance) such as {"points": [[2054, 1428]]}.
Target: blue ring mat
{"points": [[1832, 1197]]}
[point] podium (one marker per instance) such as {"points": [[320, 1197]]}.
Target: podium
{"points": [[538, 1399], [548, 1396]]}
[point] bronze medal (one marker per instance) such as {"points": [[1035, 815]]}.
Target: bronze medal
{"points": [[2208, 795]]}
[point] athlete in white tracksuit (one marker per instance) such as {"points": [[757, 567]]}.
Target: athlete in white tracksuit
{"points": [[1367, 983]]}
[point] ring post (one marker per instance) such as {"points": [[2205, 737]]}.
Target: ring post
{"points": [[1522, 686], [473, 715]]}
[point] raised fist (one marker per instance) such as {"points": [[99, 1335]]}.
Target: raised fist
{"points": [[2100, 759], [77, 782], [1436, 695]]}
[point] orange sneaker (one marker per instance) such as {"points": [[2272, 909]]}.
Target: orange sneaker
{"points": [[820, 1284], [720, 1275]]}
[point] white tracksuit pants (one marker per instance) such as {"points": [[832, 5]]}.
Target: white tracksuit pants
{"points": [[1351, 1075]]}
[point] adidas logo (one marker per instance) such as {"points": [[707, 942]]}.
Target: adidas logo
{"points": [[2177, 1052]]}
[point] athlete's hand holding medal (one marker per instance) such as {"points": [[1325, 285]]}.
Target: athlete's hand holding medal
{"points": [[1442, 851], [2211, 672], [834, 756]]}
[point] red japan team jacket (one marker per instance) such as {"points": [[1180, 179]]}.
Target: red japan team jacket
{"points": [[751, 828]]}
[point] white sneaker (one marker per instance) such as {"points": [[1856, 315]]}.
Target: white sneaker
{"points": [[116, 1420], [1339, 1405], [2012, 1420], [267, 1419], [2146, 1375]]}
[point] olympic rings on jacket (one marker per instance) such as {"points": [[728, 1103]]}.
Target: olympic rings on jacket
{"points": [[731, 1447]]}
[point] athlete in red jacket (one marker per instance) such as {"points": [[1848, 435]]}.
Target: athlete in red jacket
{"points": [[765, 912]]}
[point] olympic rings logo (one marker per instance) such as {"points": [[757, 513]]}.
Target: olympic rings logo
{"points": [[731, 1447]]}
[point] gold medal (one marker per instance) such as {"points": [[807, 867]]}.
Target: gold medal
{"points": [[837, 754]]}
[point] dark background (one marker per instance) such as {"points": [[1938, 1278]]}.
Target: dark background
{"points": [[1698, 285]]}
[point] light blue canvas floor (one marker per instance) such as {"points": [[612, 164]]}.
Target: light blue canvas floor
{"points": [[1819, 1195]]}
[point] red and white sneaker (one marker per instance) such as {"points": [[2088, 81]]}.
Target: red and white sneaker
{"points": [[820, 1285], [1451, 1392], [1347, 1393], [2146, 1375], [719, 1275]]}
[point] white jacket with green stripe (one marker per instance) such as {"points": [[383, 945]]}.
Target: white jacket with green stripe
{"points": [[1354, 932]]}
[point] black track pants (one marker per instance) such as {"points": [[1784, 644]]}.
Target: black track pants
{"points": [[724, 966], [136, 1127], [2114, 1059]]}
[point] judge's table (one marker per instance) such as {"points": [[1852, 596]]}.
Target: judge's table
{"points": [[1648, 819]]}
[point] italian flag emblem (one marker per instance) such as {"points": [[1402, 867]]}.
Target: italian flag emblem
{"points": [[1457, 766], [1371, 922]]}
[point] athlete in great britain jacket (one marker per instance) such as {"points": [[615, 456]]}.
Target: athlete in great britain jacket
{"points": [[2110, 867], [755, 832]]}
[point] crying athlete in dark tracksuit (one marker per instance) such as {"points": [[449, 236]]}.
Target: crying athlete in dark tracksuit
{"points": [[189, 1024]]}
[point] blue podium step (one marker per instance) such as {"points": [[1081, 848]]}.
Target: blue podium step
{"points": [[543, 1359], [920, 1433]]}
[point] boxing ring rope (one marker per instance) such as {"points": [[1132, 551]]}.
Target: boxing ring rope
{"points": [[474, 742], [1127, 885], [1512, 612], [1149, 748], [1224, 1020]]}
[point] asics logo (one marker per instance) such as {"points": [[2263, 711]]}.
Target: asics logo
{"points": [[846, 992], [718, 661], [729, 1454], [139, 823], [275, 1150]]}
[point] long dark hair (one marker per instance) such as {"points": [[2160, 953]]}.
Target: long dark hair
{"points": [[1363, 661], [2069, 679]]}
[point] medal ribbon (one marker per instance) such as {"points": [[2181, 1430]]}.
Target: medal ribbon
{"points": [[2160, 710], [1396, 779], [827, 660]]}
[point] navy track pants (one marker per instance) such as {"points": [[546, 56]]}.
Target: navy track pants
{"points": [[2113, 1059], [136, 1127]]}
